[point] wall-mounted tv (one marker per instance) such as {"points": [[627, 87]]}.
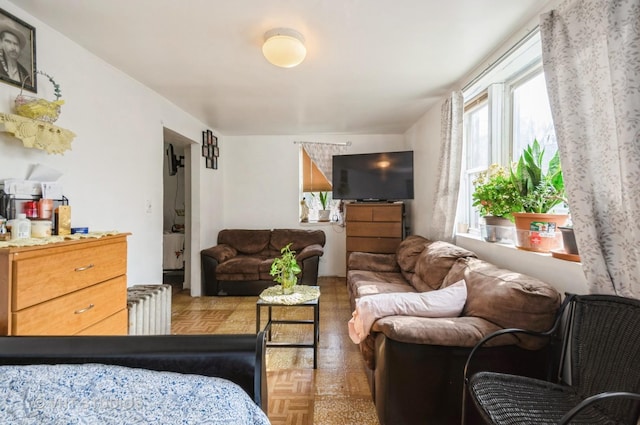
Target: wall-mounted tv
{"points": [[384, 176]]}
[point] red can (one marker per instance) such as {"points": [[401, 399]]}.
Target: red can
{"points": [[30, 208]]}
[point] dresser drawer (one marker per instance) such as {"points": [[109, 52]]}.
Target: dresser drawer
{"points": [[38, 278], [70, 314], [385, 212], [375, 245], [116, 324], [387, 230]]}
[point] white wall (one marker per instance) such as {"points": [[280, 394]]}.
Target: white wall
{"points": [[116, 162], [262, 189]]}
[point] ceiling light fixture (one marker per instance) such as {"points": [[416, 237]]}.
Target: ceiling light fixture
{"points": [[284, 47]]}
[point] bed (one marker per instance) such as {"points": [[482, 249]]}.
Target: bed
{"points": [[168, 379]]}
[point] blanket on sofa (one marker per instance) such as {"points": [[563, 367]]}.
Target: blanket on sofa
{"points": [[107, 394], [447, 302]]}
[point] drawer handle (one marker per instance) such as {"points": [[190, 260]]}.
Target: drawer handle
{"points": [[82, 310], [81, 269]]}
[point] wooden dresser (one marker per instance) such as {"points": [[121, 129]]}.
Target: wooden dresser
{"points": [[373, 227], [67, 288]]}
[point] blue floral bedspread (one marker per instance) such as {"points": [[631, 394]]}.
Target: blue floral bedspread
{"points": [[105, 394]]}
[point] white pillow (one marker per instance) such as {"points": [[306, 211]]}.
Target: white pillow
{"points": [[447, 302]]}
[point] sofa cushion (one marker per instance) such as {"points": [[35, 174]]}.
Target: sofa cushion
{"points": [[507, 298], [434, 264], [409, 250], [297, 237], [373, 262], [244, 240], [372, 287]]}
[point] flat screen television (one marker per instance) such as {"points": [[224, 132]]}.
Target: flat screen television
{"points": [[384, 176]]}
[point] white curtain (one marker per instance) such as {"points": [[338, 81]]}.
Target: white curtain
{"points": [[591, 57], [322, 155], [443, 217]]}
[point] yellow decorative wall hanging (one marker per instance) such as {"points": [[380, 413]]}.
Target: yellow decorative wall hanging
{"points": [[37, 134]]}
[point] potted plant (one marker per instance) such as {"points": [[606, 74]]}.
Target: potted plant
{"points": [[285, 268], [324, 214], [496, 197], [536, 228]]}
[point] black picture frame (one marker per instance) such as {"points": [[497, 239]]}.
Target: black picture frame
{"points": [[14, 32], [210, 149]]}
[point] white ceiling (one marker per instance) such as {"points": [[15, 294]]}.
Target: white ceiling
{"points": [[373, 66]]}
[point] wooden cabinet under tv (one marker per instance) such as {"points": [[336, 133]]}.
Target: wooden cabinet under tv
{"points": [[374, 227]]}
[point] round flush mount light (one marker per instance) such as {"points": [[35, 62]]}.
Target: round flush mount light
{"points": [[284, 47]]}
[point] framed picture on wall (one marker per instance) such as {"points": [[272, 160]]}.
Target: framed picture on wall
{"points": [[18, 51]]}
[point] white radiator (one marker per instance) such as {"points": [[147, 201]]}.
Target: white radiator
{"points": [[149, 309]]}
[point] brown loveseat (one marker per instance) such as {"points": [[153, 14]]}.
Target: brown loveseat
{"points": [[239, 264], [416, 363]]}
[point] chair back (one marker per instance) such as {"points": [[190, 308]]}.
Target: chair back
{"points": [[604, 350]]}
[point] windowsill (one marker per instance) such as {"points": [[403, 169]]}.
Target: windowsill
{"points": [[320, 223], [479, 238], [565, 276]]}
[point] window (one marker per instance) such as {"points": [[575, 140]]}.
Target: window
{"points": [[315, 189], [506, 108]]}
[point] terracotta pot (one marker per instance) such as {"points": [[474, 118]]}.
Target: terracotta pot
{"points": [[539, 232]]}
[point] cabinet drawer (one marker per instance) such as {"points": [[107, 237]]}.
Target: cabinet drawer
{"points": [[38, 278], [387, 230], [71, 313], [387, 212], [116, 324], [375, 245]]}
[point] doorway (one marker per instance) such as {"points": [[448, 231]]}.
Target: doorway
{"points": [[176, 237]]}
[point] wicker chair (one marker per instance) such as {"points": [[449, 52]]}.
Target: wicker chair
{"points": [[598, 371]]}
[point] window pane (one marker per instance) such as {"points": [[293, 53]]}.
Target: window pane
{"points": [[532, 118], [477, 135]]}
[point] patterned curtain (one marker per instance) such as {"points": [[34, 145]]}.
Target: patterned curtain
{"points": [[443, 216], [322, 155], [591, 57]]}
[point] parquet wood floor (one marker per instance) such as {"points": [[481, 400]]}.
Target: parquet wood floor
{"points": [[336, 393]]}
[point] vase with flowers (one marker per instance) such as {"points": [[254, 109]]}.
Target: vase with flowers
{"points": [[285, 268], [496, 197]]}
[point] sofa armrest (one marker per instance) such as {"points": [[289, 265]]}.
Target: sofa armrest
{"points": [[220, 253], [310, 251], [373, 262]]}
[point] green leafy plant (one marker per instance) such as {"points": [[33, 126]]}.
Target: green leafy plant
{"points": [[324, 199], [495, 194], [285, 265], [539, 191]]}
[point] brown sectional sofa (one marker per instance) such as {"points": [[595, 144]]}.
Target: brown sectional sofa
{"points": [[240, 262], [415, 364]]}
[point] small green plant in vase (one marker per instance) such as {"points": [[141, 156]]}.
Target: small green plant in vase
{"points": [[285, 268], [495, 194], [323, 214]]}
